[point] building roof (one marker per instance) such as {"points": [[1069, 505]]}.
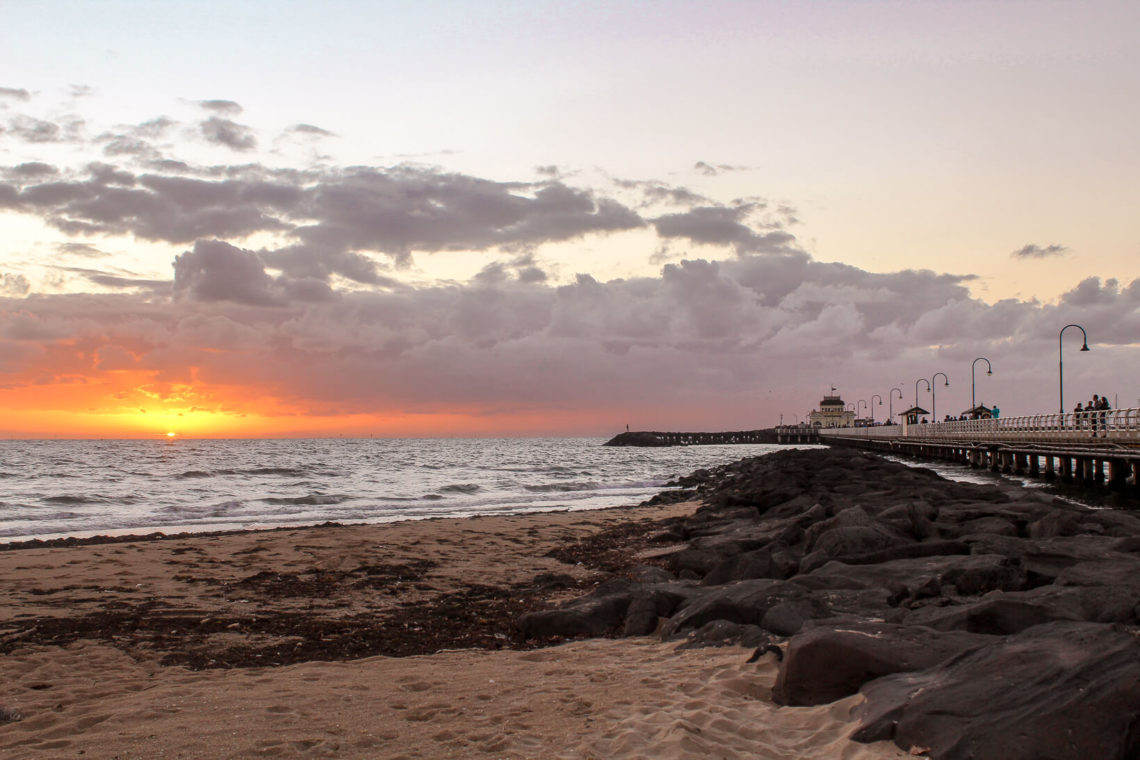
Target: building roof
{"points": [[915, 410]]}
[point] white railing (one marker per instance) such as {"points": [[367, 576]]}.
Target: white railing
{"points": [[1115, 425]]}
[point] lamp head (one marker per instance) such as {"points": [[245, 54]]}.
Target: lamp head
{"points": [[989, 372], [1085, 347]]}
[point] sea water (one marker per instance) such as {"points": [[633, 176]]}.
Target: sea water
{"points": [[56, 488]]}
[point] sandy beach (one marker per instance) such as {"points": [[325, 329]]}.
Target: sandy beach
{"points": [[384, 641]]}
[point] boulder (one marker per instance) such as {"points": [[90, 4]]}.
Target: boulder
{"points": [[1061, 691], [825, 664]]}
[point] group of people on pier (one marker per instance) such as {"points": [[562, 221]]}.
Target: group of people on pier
{"points": [[1093, 412]]}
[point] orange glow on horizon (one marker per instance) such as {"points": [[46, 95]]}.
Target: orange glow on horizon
{"points": [[132, 405]]}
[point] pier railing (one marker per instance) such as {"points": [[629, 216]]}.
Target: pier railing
{"points": [[1111, 426]]}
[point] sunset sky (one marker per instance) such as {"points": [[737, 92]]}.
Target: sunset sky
{"points": [[559, 218]]}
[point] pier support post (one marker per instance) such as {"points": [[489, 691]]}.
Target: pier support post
{"points": [[1050, 472], [1098, 470], [1065, 469], [1117, 474], [1034, 466], [1019, 464]]}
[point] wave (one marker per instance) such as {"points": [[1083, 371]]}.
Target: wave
{"points": [[315, 499], [72, 499], [562, 487], [461, 488], [296, 472]]}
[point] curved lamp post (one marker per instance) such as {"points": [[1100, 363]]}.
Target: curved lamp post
{"points": [[891, 403], [989, 371], [873, 397], [860, 401], [933, 400], [916, 382], [1061, 362]]}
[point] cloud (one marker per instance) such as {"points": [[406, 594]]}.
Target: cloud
{"points": [[87, 250], [116, 281], [14, 285], [696, 345], [228, 133], [1033, 251], [721, 225], [712, 170], [225, 107], [34, 130], [218, 271], [15, 93], [31, 170], [309, 129]]}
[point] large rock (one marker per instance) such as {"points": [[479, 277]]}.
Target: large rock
{"points": [[1000, 613], [1061, 691], [824, 664]]}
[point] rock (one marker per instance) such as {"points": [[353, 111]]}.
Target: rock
{"points": [[773, 561], [825, 664], [740, 602], [721, 633], [1062, 691]]}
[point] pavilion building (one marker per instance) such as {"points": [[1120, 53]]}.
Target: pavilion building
{"points": [[832, 413]]}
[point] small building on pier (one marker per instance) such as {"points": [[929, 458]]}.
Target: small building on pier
{"points": [[832, 413], [911, 415], [979, 412]]}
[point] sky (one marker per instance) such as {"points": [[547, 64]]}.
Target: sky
{"points": [[560, 218]]}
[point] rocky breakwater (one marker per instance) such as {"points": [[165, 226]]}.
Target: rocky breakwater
{"points": [[978, 621]]}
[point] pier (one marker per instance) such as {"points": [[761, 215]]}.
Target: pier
{"points": [[654, 438], [1090, 448]]}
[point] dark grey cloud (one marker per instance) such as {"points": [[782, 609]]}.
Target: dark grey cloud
{"points": [[34, 130], [15, 93], [309, 129], [217, 271], [712, 170], [1091, 292], [126, 145], [1034, 251], [654, 193], [226, 107], [228, 133], [722, 225], [32, 170], [407, 209]]}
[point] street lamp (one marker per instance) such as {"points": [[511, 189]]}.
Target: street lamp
{"points": [[916, 382], [861, 401], [933, 399], [1061, 362], [891, 403], [989, 371], [873, 397]]}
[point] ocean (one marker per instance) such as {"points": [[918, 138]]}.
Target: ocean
{"points": [[57, 488]]}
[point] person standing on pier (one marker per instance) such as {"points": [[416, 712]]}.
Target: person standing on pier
{"points": [[1103, 409], [1078, 414]]}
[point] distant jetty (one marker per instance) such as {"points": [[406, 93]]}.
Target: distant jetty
{"points": [[652, 438]]}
